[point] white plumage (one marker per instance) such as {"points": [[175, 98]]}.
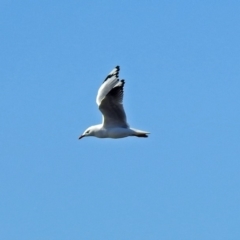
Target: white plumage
{"points": [[109, 100]]}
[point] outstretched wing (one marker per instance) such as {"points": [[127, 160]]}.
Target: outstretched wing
{"points": [[109, 100]]}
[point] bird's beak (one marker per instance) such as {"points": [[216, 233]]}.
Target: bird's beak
{"points": [[81, 136]]}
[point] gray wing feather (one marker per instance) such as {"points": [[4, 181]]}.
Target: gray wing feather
{"points": [[112, 108], [108, 84]]}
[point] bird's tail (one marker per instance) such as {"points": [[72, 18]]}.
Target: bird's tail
{"points": [[140, 133]]}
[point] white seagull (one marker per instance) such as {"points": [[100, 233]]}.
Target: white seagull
{"points": [[109, 100]]}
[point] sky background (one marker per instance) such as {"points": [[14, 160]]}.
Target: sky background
{"points": [[181, 64]]}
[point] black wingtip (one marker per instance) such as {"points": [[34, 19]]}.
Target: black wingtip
{"points": [[123, 82], [112, 73], [142, 135], [118, 69]]}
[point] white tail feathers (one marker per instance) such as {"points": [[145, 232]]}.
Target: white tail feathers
{"points": [[140, 133]]}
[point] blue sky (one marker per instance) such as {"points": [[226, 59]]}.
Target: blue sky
{"points": [[181, 64]]}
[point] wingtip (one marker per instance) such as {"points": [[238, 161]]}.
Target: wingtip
{"points": [[144, 134], [114, 72]]}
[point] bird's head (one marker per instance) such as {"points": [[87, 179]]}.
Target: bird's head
{"points": [[88, 132]]}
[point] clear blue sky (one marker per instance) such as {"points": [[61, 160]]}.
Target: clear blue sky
{"points": [[181, 63]]}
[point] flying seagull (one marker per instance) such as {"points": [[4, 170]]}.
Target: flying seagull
{"points": [[109, 100]]}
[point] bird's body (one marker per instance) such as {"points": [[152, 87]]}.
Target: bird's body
{"points": [[109, 100]]}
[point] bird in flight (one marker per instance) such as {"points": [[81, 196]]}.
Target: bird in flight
{"points": [[109, 101]]}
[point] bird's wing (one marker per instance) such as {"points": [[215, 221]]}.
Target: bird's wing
{"points": [[109, 100]]}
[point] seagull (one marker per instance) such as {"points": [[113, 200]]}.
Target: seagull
{"points": [[109, 101]]}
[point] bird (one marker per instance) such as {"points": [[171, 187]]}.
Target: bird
{"points": [[110, 103]]}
